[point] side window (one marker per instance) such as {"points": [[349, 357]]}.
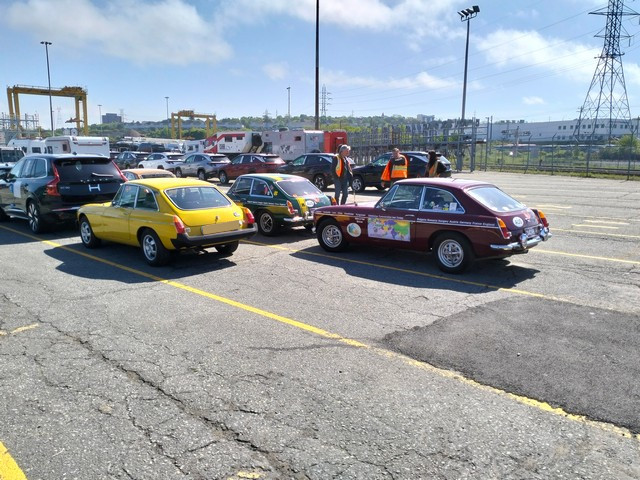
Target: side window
{"points": [[237, 160], [16, 171], [407, 197], [39, 168], [437, 200], [146, 199], [127, 197], [27, 170], [299, 161], [260, 188], [242, 186]]}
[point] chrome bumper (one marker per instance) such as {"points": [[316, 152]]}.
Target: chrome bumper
{"points": [[524, 243]]}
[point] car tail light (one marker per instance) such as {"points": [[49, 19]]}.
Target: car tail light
{"points": [[543, 219], [52, 187], [178, 224], [506, 234], [292, 211], [249, 216]]}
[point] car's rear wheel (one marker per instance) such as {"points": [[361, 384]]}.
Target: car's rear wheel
{"points": [[358, 184], [3, 216], [36, 222], [154, 252], [320, 182], [178, 173], [453, 252], [140, 165], [222, 176], [267, 223], [160, 167], [87, 236], [202, 175], [126, 166], [330, 236], [228, 248]]}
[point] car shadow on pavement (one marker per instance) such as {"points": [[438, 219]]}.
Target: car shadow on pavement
{"points": [[415, 269], [16, 232]]}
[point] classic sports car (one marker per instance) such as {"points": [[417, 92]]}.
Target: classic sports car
{"points": [[459, 220], [278, 200], [138, 173], [162, 215]]}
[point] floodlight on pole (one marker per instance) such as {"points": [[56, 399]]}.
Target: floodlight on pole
{"points": [[46, 49], [100, 113]]}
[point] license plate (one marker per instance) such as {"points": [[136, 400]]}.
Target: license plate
{"points": [[219, 227], [531, 231]]}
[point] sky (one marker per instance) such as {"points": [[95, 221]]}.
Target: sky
{"points": [[530, 60]]}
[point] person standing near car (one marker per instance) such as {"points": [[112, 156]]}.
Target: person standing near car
{"points": [[397, 168], [342, 173], [432, 165]]}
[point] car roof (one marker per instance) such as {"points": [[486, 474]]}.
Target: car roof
{"points": [[274, 177], [64, 156], [169, 182], [456, 183], [145, 170]]}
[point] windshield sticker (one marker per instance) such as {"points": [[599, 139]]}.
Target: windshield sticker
{"points": [[389, 229], [17, 188], [354, 230]]}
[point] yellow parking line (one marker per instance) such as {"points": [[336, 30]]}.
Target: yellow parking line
{"points": [[610, 223], [354, 343], [18, 330], [579, 255], [9, 469], [619, 235], [562, 207], [594, 226]]}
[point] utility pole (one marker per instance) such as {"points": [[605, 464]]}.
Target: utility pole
{"points": [[317, 64], [46, 48]]}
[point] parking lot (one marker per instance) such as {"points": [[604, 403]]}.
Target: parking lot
{"points": [[285, 361]]}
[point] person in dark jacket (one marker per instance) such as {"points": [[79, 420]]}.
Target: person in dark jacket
{"points": [[342, 174]]}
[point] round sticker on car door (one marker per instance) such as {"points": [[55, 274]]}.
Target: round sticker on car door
{"points": [[518, 222], [354, 230], [309, 203]]}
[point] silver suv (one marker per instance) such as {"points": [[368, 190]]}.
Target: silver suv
{"points": [[202, 165]]}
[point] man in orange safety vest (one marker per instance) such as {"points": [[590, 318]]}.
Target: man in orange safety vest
{"points": [[397, 168]]}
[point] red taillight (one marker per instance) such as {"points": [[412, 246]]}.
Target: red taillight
{"points": [[178, 224], [52, 187], [290, 207], [249, 216], [506, 234], [543, 219]]}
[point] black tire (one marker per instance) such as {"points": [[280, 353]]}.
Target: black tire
{"points": [[127, 166], [202, 175], [87, 236], [140, 166], [222, 176], [3, 216], [228, 248], [160, 167], [178, 173], [358, 184], [154, 252], [36, 222], [330, 236], [266, 223], [381, 187], [320, 182], [452, 252]]}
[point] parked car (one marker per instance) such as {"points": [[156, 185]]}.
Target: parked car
{"points": [[250, 163], [49, 188], [162, 215], [128, 159], [163, 160], [313, 166], [458, 220], [278, 200], [369, 175], [202, 165], [10, 155], [138, 173]]}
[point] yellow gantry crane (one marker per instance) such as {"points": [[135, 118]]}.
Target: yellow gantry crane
{"points": [[211, 124], [79, 94]]}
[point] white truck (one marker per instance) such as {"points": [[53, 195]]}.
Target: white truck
{"points": [[233, 143], [76, 144], [290, 144], [28, 145]]}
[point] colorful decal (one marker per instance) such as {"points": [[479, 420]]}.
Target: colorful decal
{"points": [[309, 203], [389, 229], [354, 230], [517, 221]]}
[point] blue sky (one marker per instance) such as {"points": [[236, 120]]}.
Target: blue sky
{"points": [[531, 60]]}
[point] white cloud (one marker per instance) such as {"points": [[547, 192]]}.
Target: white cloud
{"points": [[276, 71], [421, 80], [142, 31], [533, 101]]}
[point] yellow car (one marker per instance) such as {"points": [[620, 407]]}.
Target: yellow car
{"points": [[162, 215]]}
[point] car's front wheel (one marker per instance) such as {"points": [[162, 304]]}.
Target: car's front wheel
{"points": [[228, 248], [330, 236], [36, 222], [154, 252], [178, 173], [358, 184], [267, 224], [320, 182], [222, 176], [202, 175], [126, 166], [453, 252], [3, 216], [87, 236]]}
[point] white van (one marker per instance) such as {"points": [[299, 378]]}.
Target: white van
{"points": [[79, 145]]}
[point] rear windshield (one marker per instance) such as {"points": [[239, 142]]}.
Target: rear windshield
{"points": [[495, 199], [197, 198], [297, 188], [273, 160], [11, 155], [76, 169]]}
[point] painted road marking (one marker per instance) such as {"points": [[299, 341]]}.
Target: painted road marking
{"points": [[619, 235], [18, 330], [610, 223], [562, 207], [579, 255], [9, 469], [594, 226], [543, 406]]}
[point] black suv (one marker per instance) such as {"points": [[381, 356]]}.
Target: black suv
{"points": [[312, 166], [128, 159], [369, 175], [48, 188]]}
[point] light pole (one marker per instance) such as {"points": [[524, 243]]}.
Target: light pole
{"points": [[167, 100], [100, 110], [465, 15], [288, 105], [317, 123], [46, 49]]}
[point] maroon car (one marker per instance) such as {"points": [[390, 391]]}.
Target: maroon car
{"points": [[459, 220], [250, 163]]}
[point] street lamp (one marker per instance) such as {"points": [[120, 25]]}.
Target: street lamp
{"points": [[288, 105], [317, 122], [46, 48], [100, 112], [167, 100], [465, 15]]}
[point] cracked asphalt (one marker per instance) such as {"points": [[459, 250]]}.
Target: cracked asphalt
{"points": [[107, 373]]}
